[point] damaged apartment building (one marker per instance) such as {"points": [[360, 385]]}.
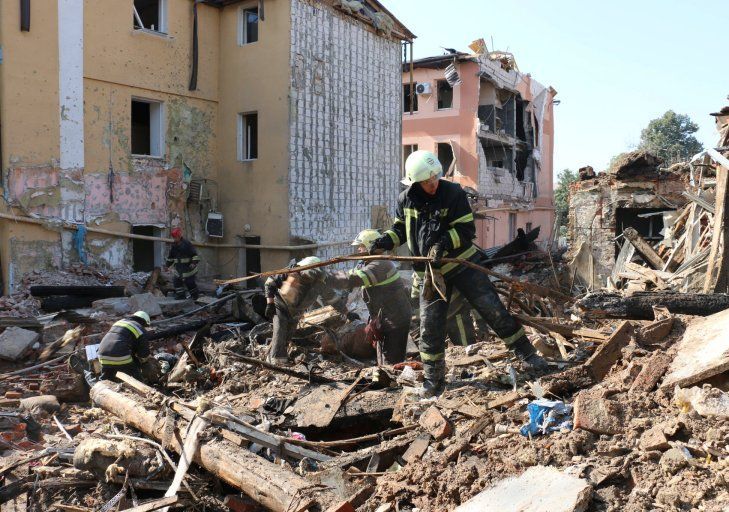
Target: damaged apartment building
{"points": [[263, 123], [492, 127]]}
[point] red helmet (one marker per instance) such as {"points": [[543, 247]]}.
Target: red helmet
{"points": [[176, 233]]}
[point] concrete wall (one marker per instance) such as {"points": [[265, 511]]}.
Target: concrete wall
{"points": [[66, 91], [255, 78], [345, 125]]}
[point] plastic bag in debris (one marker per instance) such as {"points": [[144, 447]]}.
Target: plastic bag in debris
{"points": [[707, 401], [547, 416]]}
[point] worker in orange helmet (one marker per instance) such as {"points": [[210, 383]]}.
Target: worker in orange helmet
{"points": [[184, 260]]}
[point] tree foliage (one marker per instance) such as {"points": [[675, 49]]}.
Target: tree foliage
{"points": [[671, 137], [562, 194]]}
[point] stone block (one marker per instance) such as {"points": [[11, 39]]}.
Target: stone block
{"points": [[609, 352], [597, 414], [435, 424], [416, 449], [539, 489], [15, 342], [145, 302]]}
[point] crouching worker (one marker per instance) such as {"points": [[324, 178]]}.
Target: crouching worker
{"points": [[288, 296], [386, 298], [125, 347]]}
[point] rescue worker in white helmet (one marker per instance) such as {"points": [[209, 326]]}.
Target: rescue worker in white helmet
{"points": [[386, 298], [290, 295], [125, 347], [435, 219]]}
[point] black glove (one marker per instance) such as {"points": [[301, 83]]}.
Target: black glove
{"points": [[270, 311], [436, 253], [384, 243]]}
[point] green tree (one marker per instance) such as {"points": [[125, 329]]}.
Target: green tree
{"points": [[562, 194], [671, 137]]}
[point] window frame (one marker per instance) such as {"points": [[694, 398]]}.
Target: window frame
{"points": [[437, 94], [161, 16], [243, 26], [414, 98], [156, 128], [244, 156]]}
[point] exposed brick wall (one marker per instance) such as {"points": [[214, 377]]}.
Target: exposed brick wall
{"points": [[345, 125]]}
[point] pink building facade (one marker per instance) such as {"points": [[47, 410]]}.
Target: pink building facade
{"points": [[494, 134]]}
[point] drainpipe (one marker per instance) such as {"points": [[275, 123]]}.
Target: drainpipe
{"points": [[195, 50]]}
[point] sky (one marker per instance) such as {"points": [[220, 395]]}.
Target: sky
{"points": [[615, 65]]}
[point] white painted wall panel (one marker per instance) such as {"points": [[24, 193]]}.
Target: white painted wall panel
{"points": [[345, 125], [71, 82]]}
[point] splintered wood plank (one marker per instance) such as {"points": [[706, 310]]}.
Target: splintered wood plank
{"points": [[702, 352]]}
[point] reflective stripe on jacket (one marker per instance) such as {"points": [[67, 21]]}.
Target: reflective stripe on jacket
{"points": [[124, 341], [422, 221]]}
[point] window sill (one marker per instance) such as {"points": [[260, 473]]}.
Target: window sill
{"points": [[444, 109], [149, 157], [409, 114], [248, 160], [154, 33], [242, 45]]}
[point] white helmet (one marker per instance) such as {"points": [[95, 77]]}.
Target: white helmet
{"points": [[144, 316], [310, 260], [421, 166], [366, 237]]}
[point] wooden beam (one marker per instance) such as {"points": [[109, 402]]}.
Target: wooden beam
{"points": [[644, 248], [717, 275]]}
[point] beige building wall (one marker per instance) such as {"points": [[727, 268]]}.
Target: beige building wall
{"points": [[255, 78]]}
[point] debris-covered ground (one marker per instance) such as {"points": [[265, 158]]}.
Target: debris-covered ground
{"points": [[619, 422]]}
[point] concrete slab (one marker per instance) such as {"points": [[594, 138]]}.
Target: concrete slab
{"points": [[174, 307], [145, 302], [539, 489], [15, 342], [117, 306], [703, 352]]}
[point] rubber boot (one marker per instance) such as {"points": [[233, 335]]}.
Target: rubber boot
{"points": [[434, 383], [525, 351]]}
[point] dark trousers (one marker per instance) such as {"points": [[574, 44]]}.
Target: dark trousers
{"points": [[460, 328], [108, 372], [284, 325], [391, 350], [185, 283], [480, 293]]}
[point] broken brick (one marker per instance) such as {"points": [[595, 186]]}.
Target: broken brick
{"points": [[651, 373], [654, 439], [344, 506], [656, 332], [14, 395], [435, 423], [597, 414], [416, 449], [238, 504]]}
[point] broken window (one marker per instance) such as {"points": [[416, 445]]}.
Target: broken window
{"points": [[407, 150], [146, 254], [147, 133], [512, 226], [248, 26], [407, 97], [445, 155], [150, 15], [248, 136], [648, 222], [445, 95]]}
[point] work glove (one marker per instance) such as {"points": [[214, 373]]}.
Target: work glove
{"points": [[270, 311], [382, 244], [436, 253]]}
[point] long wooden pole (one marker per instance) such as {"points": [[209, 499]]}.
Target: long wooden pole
{"points": [[533, 288], [268, 484]]}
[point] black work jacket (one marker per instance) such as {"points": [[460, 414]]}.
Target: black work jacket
{"points": [[184, 258], [125, 339], [422, 221]]}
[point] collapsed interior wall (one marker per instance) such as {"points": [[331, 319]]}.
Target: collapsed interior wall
{"points": [[602, 206]]}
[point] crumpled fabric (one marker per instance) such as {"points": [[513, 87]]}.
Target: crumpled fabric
{"points": [[79, 240], [547, 416]]}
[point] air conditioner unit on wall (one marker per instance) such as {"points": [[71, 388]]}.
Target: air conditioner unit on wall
{"points": [[423, 88], [214, 225]]}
